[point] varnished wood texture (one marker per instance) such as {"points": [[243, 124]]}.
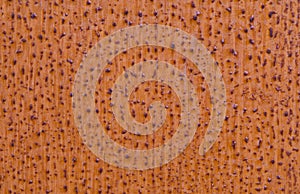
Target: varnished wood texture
{"points": [[256, 46]]}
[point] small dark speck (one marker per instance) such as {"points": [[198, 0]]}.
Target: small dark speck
{"points": [[33, 15], [233, 144], [85, 13], [98, 9], [70, 61], [233, 52], [140, 14], [62, 35], [269, 179], [271, 13], [271, 32], [258, 129], [235, 106], [100, 170], [19, 51], [193, 4], [40, 37], [251, 18], [228, 9], [74, 160], [278, 177]]}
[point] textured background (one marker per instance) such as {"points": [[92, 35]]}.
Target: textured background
{"points": [[256, 44]]}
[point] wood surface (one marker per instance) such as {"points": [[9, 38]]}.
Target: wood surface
{"points": [[255, 43]]}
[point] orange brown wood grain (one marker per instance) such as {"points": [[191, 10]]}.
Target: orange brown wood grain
{"points": [[255, 43]]}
